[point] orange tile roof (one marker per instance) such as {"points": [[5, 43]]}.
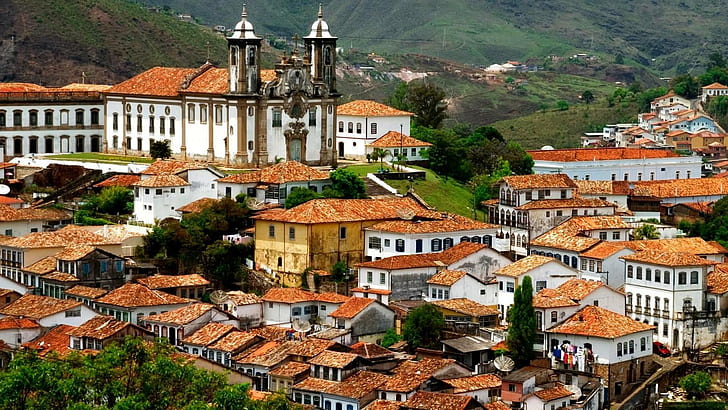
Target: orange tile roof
{"points": [[678, 188], [288, 295], [85, 87], [10, 214], [241, 298], [396, 140], [330, 358], [57, 239], [717, 281], [523, 266], [370, 350], [551, 298], [694, 245], [359, 385], [197, 206], [576, 202], [74, 252], [668, 258], [124, 180], [451, 223], [280, 173], [595, 321], [331, 297], [441, 401], [85, 292], [368, 108], [535, 181], [173, 281], [554, 393], [446, 277], [136, 295], [404, 383], [172, 167], [38, 307], [56, 340], [330, 210], [60, 277], [161, 181], [271, 332], [578, 289], [603, 250], [17, 323], [183, 315], [472, 383], [497, 405], [444, 258], [598, 154], [570, 234], [99, 327], [267, 354], [715, 86], [351, 308], [157, 81], [233, 341], [8, 200], [315, 385], [427, 366], [208, 334], [383, 405], [290, 369], [309, 347], [372, 291], [43, 266], [466, 306], [212, 81]]}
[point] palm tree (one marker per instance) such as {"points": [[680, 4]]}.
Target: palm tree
{"points": [[646, 231], [380, 154]]}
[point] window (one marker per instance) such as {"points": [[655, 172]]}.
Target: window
{"points": [[203, 113], [631, 347], [629, 299], [370, 277], [342, 233], [158, 191], [271, 231], [619, 349], [615, 235], [358, 128], [652, 175], [161, 125], [399, 245], [614, 177], [643, 344], [639, 272], [218, 114], [447, 243], [151, 125], [191, 112], [626, 177], [49, 119], [79, 117], [511, 387], [639, 300], [603, 236], [639, 176], [694, 277], [312, 117], [387, 243], [139, 124], [73, 313], [648, 274], [292, 233], [382, 278], [350, 127], [510, 287], [277, 118], [682, 278], [630, 270], [677, 174], [33, 118], [374, 128], [667, 278], [559, 213], [375, 242], [17, 118], [418, 246], [94, 117], [171, 126], [554, 317], [114, 120], [436, 245], [3, 121], [341, 126], [529, 195], [540, 284], [128, 122]]}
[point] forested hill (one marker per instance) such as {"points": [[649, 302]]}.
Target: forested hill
{"points": [[675, 34]]}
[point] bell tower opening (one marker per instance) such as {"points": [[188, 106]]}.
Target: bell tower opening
{"points": [[244, 57]]}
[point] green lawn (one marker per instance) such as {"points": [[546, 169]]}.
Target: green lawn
{"points": [[364, 169], [98, 157]]}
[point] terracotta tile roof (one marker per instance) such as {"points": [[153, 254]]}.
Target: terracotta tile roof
{"points": [[211, 81], [717, 281], [181, 316], [99, 327], [404, 383], [598, 154], [554, 393], [330, 358], [288, 295], [395, 139], [208, 334], [21, 87], [570, 234], [452, 223], [372, 291], [157, 81], [309, 347], [497, 405], [331, 297], [17, 323], [368, 108], [290, 369], [718, 247], [425, 366], [275, 333], [441, 401], [173, 281], [280, 173], [603, 250], [330, 210], [481, 381], [536, 181], [159, 181], [466, 306], [576, 202], [383, 405], [38, 307], [351, 308], [8, 200], [241, 298], [359, 385], [523, 266], [694, 245], [60, 277], [315, 385], [715, 86], [578, 289], [444, 258], [679, 188], [197, 206], [704, 208], [85, 292], [172, 167], [370, 350], [74, 252], [10, 214], [56, 340], [233, 341], [446, 277], [270, 354], [668, 258], [551, 298], [599, 322], [136, 295], [85, 87], [43, 266], [124, 180], [57, 239]]}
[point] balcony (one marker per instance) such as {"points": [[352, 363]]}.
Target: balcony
{"points": [[638, 309], [628, 309], [648, 311], [665, 314]]}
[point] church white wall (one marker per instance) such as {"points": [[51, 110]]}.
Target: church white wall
{"points": [[635, 170], [144, 109]]}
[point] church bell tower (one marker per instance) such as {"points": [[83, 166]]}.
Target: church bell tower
{"points": [[321, 46], [244, 58]]}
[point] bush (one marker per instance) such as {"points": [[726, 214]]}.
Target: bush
{"points": [[696, 384]]}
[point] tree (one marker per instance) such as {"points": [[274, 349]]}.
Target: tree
{"points": [[398, 99], [522, 330], [390, 337], [587, 96], [160, 149], [300, 195], [116, 200], [484, 184], [619, 59], [380, 154], [427, 102], [224, 262], [339, 271], [716, 60], [423, 326], [696, 384], [686, 85], [646, 231], [562, 105], [345, 184]]}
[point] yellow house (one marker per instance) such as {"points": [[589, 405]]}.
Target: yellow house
{"points": [[321, 232]]}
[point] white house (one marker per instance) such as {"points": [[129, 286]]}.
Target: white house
{"points": [[455, 284], [713, 90], [367, 318], [361, 122], [49, 312], [133, 302], [615, 192], [546, 398], [485, 388], [245, 306], [22, 221], [668, 99], [285, 306], [14, 331], [395, 143], [177, 324]]}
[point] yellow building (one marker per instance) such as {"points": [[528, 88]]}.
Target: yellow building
{"points": [[321, 232]]}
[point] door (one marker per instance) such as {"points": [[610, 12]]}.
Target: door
{"points": [[295, 150], [341, 150], [95, 144]]}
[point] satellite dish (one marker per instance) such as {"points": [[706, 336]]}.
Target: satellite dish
{"points": [[504, 363], [547, 148], [4, 189], [303, 327], [218, 297], [575, 390], [406, 214], [254, 204]]}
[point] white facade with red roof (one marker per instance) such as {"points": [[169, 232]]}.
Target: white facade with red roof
{"points": [[713, 90], [396, 143], [361, 122]]}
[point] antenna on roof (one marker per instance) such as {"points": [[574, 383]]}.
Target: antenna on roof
{"points": [[303, 327], [504, 363], [218, 297]]}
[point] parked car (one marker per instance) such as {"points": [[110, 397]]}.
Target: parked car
{"points": [[660, 349]]}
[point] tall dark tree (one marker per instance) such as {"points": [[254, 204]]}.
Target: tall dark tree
{"points": [[346, 184], [398, 99], [686, 85], [299, 195], [160, 149], [522, 317], [423, 327], [427, 102], [587, 96]]}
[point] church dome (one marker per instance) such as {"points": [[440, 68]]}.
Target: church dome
{"points": [[244, 28], [319, 28]]}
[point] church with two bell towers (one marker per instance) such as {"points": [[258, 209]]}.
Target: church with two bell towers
{"points": [[242, 115]]}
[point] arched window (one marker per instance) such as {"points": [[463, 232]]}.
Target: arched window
{"points": [[667, 304], [508, 217], [447, 243], [350, 127], [436, 245], [639, 272], [574, 262], [648, 274], [629, 299], [638, 300], [630, 270], [518, 241], [647, 301], [475, 239], [657, 304], [631, 347], [464, 239], [682, 278], [658, 276], [341, 126], [687, 305], [619, 349]]}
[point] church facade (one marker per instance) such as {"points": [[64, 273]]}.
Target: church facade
{"points": [[242, 114]]}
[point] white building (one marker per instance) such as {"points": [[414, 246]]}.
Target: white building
{"points": [[362, 122], [239, 114], [133, 302], [395, 143], [49, 312], [605, 164], [16, 331], [457, 284], [713, 90]]}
